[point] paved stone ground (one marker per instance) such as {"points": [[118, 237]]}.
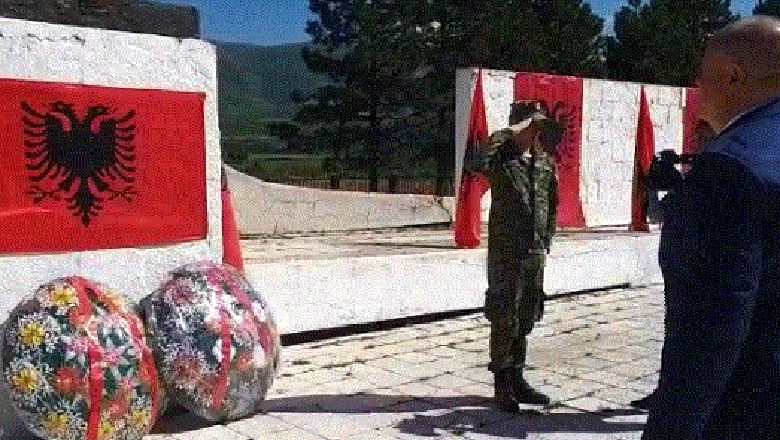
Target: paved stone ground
{"points": [[593, 353]]}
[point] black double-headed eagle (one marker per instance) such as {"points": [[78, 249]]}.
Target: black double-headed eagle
{"points": [[84, 157], [560, 125]]}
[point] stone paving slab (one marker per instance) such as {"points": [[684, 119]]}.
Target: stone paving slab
{"points": [[430, 380]]}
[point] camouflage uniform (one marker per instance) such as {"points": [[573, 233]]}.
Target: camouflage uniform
{"points": [[524, 192]]}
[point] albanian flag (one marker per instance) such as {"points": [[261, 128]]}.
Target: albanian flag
{"points": [[89, 168], [468, 218], [562, 98]]}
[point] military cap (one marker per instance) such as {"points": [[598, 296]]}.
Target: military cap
{"points": [[524, 111]]}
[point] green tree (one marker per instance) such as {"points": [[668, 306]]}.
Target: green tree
{"points": [[286, 131], [552, 36], [370, 50], [662, 41], [392, 62], [767, 7], [332, 108]]}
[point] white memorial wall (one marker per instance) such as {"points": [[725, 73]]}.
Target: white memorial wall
{"points": [[609, 123], [67, 54]]}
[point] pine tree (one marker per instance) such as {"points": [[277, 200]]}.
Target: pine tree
{"points": [[663, 41], [371, 50], [767, 7], [394, 61]]}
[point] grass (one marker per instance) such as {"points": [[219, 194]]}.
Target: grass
{"points": [[284, 166]]}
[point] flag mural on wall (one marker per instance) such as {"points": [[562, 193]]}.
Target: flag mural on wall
{"points": [[562, 96], [89, 167]]}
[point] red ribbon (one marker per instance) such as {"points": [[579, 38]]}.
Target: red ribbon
{"points": [[147, 363], [220, 388], [94, 357], [147, 360], [246, 302], [95, 389], [219, 276]]}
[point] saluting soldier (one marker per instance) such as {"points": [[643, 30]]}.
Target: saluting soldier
{"points": [[524, 193]]}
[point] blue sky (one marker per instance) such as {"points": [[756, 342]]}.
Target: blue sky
{"points": [[271, 22]]}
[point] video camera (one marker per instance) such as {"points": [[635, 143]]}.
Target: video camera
{"points": [[663, 174], [662, 179]]}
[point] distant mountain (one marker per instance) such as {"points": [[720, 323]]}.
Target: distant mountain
{"points": [[256, 83]]}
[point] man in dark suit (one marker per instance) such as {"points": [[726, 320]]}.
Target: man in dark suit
{"points": [[720, 253]]}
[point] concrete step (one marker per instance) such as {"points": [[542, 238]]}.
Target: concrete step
{"points": [[325, 281]]}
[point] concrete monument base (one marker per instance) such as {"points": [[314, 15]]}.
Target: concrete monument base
{"points": [[328, 281]]}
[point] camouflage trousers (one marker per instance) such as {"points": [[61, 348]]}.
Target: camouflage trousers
{"points": [[514, 301]]}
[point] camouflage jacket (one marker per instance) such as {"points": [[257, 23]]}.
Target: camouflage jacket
{"points": [[524, 191]]}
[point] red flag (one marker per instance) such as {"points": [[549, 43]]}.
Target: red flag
{"points": [[643, 156], [231, 245], [563, 97], [468, 210], [90, 167]]}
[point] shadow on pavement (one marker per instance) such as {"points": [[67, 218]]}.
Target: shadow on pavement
{"points": [[430, 416], [520, 426], [176, 420], [434, 416]]}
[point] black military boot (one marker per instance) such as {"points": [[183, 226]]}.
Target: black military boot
{"points": [[523, 392], [504, 392]]}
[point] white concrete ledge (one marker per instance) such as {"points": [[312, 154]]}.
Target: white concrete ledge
{"points": [[264, 208], [317, 294]]}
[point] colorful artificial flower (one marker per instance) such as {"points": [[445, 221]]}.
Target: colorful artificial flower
{"points": [[27, 380], [106, 430], [49, 356], [205, 324], [63, 296], [243, 360], [140, 417], [32, 334], [57, 424], [117, 407], [68, 381], [77, 317]]}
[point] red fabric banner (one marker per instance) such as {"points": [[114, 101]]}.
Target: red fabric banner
{"points": [[231, 244], [89, 167], [690, 120], [468, 210], [643, 156], [563, 97]]}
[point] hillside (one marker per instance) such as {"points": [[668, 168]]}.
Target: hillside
{"points": [[255, 83]]}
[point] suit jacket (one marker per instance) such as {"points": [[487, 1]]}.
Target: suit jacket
{"points": [[720, 258]]}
